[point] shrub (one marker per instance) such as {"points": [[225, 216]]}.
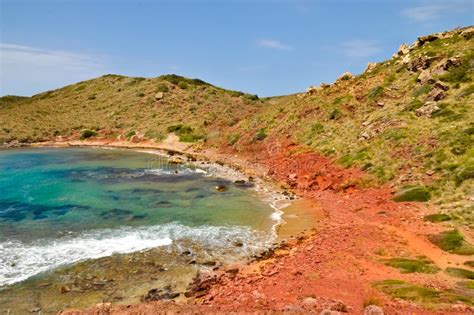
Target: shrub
{"points": [[437, 217], [460, 273], [185, 133], [412, 193], [412, 265], [260, 135], [413, 105], [375, 92], [235, 93], [233, 138], [140, 94], [424, 89], [183, 85], [452, 241], [130, 134], [457, 74], [180, 128], [162, 88], [91, 97], [465, 172], [469, 263], [335, 114], [251, 97], [87, 134]]}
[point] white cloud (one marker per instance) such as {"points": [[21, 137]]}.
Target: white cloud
{"points": [[361, 48], [27, 70], [274, 44], [423, 13]]}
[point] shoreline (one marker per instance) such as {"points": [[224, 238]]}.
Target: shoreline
{"points": [[288, 223], [335, 268], [266, 187]]}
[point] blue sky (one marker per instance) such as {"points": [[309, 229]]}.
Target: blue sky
{"points": [[261, 47]]}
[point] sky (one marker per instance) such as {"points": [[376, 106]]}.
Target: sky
{"points": [[260, 47]]}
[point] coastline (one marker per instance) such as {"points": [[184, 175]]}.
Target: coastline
{"points": [[287, 224], [332, 268]]}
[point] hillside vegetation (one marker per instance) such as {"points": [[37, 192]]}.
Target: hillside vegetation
{"points": [[408, 121], [115, 105]]}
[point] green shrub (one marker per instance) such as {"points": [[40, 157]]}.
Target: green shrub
{"points": [[424, 89], [235, 93], [183, 85], [413, 105], [91, 97], [335, 114], [437, 217], [412, 265], [185, 133], [180, 128], [251, 97], [452, 241], [317, 128], [412, 193], [260, 135], [469, 263], [87, 134], [80, 87], [140, 94], [457, 74], [130, 134], [233, 138], [465, 172], [407, 291], [460, 273], [162, 88], [375, 92]]}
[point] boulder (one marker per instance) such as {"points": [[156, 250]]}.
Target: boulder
{"points": [[436, 94], [312, 90], [370, 67], [403, 50], [419, 63], [467, 33], [135, 139], [159, 96], [221, 188], [176, 160], [451, 62], [427, 109], [345, 76], [373, 310], [425, 39], [425, 77], [441, 86]]}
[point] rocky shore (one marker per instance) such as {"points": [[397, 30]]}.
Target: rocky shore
{"points": [[336, 266]]}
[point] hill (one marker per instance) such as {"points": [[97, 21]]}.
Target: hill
{"points": [[405, 121]]}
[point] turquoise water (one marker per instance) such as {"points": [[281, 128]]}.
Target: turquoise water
{"points": [[60, 206]]}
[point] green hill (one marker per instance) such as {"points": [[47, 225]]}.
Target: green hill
{"points": [[407, 121]]}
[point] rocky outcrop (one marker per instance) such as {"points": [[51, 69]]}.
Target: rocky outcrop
{"points": [[373, 310], [370, 67], [427, 109], [159, 96], [345, 76]]}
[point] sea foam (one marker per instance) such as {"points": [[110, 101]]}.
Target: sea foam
{"points": [[20, 261]]}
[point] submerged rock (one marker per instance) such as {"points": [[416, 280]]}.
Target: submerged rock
{"points": [[221, 188]]}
